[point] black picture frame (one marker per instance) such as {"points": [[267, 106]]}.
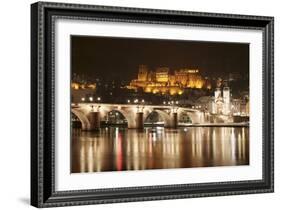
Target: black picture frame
{"points": [[43, 193]]}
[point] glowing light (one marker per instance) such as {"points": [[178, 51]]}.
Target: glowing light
{"points": [[119, 153], [129, 101], [174, 110], [75, 86], [139, 109], [155, 91], [95, 108], [147, 90], [98, 98], [91, 98], [164, 102], [173, 91], [83, 99], [92, 86]]}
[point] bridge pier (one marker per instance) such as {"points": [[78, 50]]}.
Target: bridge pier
{"points": [[175, 120], [139, 120], [94, 118]]}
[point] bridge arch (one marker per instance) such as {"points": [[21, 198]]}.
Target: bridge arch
{"points": [[116, 116], [83, 118], [185, 117], [195, 116], [153, 117], [167, 119], [128, 115]]}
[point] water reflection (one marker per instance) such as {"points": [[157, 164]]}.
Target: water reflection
{"points": [[116, 149]]}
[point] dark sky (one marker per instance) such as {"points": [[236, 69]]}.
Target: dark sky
{"points": [[119, 58]]}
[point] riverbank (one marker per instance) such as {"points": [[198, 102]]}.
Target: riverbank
{"points": [[244, 124]]}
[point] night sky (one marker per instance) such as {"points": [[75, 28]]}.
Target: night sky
{"points": [[119, 58]]}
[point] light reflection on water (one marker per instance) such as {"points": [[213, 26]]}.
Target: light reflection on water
{"points": [[116, 149]]}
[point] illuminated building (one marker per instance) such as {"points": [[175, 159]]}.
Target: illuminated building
{"points": [[181, 76], [217, 94], [78, 86], [163, 82], [226, 101], [247, 109], [143, 73], [189, 78], [81, 92], [212, 106], [221, 102], [234, 76], [236, 107], [162, 74], [151, 76], [217, 103]]}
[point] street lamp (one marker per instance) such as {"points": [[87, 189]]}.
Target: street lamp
{"points": [[174, 109], [94, 108]]}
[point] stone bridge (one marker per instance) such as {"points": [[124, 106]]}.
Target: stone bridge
{"points": [[90, 114]]}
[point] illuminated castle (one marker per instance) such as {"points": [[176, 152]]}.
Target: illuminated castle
{"points": [[160, 81]]}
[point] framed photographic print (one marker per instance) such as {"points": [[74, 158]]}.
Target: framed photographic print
{"points": [[133, 104]]}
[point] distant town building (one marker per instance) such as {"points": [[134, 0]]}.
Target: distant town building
{"points": [[223, 103], [226, 101], [82, 92], [234, 76]]}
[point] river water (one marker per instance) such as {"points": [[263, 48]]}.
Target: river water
{"points": [[117, 149]]}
